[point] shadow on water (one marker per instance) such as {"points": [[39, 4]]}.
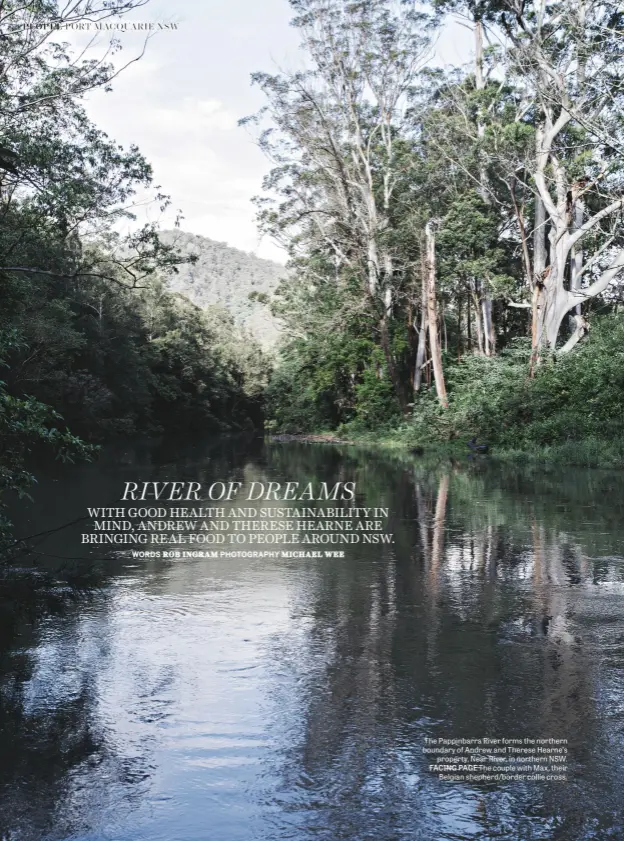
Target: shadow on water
{"points": [[290, 698]]}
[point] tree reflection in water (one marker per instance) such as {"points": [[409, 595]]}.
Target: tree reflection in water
{"points": [[482, 620], [497, 611]]}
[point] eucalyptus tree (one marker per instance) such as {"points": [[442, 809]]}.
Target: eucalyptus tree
{"points": [[479, 241], [564, 60], [572, 53], [567, 58], [473, 108], [339, 138]]}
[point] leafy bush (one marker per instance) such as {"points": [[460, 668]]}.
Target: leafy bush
{"points": [[331, 380], [576, 397]]}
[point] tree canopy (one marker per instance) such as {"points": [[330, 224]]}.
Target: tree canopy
{"points": [[92, 343], [436, 215]]}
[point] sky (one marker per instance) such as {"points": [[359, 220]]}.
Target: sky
{"points": [[180, 104]]}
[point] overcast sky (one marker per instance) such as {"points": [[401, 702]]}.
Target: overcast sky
{"points": [[180, 104]]}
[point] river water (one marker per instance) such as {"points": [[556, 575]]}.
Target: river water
{"points": [[280, 698]]}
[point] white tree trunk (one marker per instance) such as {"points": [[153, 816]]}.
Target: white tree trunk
{"points": [[432, 315], [576, 256], [489, 336], [560, 301], [489, 341], [422, 335]]}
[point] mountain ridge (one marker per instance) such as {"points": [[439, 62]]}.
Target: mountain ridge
{"points": [[223, 275]]}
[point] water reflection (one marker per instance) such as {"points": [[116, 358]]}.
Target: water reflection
{"points": [[289, 698]]}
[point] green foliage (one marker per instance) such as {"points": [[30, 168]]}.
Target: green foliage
{"points": [[331, 378], [112, 360], [351, 197], [310, 388], [90, 339], [27, 426], [376, 405], [470, 248], [572, 399]]}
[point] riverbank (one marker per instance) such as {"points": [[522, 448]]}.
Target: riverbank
{"points": [[591, 452], [569, 413], [310, 438]]}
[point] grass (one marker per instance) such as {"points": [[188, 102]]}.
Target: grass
{"points": [[591, 452]]}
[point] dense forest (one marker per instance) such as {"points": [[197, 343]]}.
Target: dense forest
{"points": [[93, 342], [454, 239], [455, 236]]}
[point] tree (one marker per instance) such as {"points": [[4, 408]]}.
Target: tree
{"points": [[90, 339], [339, 142], [432, 313], [65, 175], [568, 59], [474, 12]]}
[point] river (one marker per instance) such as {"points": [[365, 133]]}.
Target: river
{"points": [[260, 699]]}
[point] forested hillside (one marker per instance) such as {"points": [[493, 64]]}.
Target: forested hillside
{"points": [[455, 235], [240, 282]]}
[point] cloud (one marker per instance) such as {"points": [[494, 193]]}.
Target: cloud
{"points": [[190, 116], [238, 229], [180, 105]]}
